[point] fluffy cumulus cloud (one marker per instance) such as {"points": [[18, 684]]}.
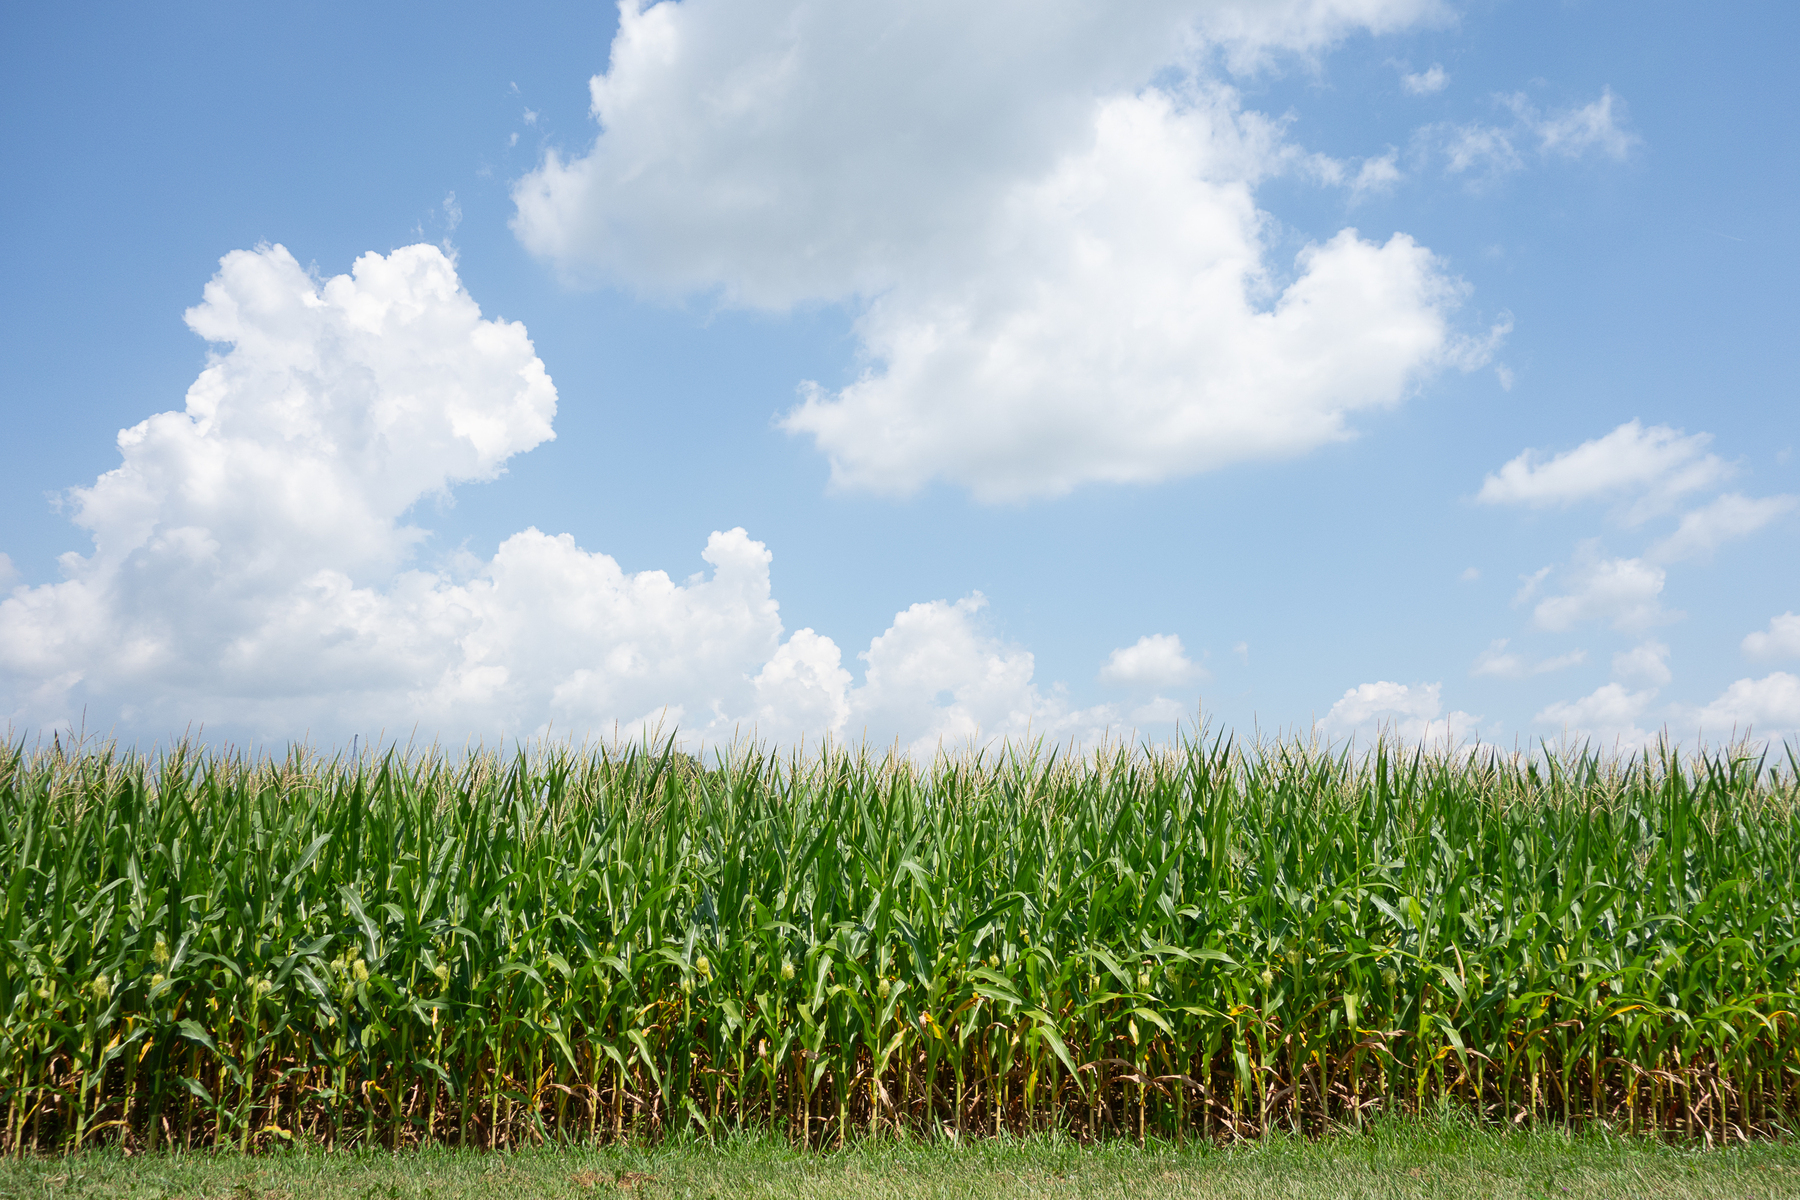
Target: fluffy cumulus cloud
{"points": [[783, 150], [1767, 708], [283, 483], [1649, 471], [1428, 82], [1780, 640], [1410, 712], [937, 680], [1156, 660], [1608, 717], [1120, 336], [253, 567], [1060, 269], [1623, 592]]}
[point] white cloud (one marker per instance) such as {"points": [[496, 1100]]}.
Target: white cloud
{"points": [[1626, 592], [1063, 268], [1726, 518], [1573, 132], [804, 689], [1769, 707], [1159, 711], [1250, 30], [1428, 82], [338, 406], [1653, 467], [934, 679], [1117, 336], [1530, 585], [1607, 716], [1156, 660], [1782, 640], [1361, 176], [933, 672], [1376, 174], [252, 566], [1407, 711], [1475, 149], [1470, 574], [1644, 665], [784, 151], [1501, 663], [1644, 471], [1485, 152], [7, 571], [1134, 376]]}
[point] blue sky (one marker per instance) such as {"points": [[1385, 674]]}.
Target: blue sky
{"points": [[1109, 417]]}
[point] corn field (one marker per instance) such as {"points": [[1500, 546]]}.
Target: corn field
{"points": [[1209, 941]]}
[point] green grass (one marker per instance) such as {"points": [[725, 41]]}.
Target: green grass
{"points": [[1206, 943], [1392, 1159]]}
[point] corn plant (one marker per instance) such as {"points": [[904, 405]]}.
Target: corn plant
{"points": [[206, 948]]}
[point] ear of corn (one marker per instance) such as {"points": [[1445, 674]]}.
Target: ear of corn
{"points": [[208, 949]]}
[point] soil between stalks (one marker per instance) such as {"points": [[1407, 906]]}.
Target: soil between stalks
{"points": [[1399, 1159]]}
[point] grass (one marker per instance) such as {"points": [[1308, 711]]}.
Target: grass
{"points": [[1393, 1158], [1206, 943]]}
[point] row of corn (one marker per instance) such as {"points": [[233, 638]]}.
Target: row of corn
{"points": [[1204, 941]]}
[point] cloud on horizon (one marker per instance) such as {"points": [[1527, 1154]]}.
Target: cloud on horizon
{"points": [[253, 564], [1409, 712], [1642, 474]]}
